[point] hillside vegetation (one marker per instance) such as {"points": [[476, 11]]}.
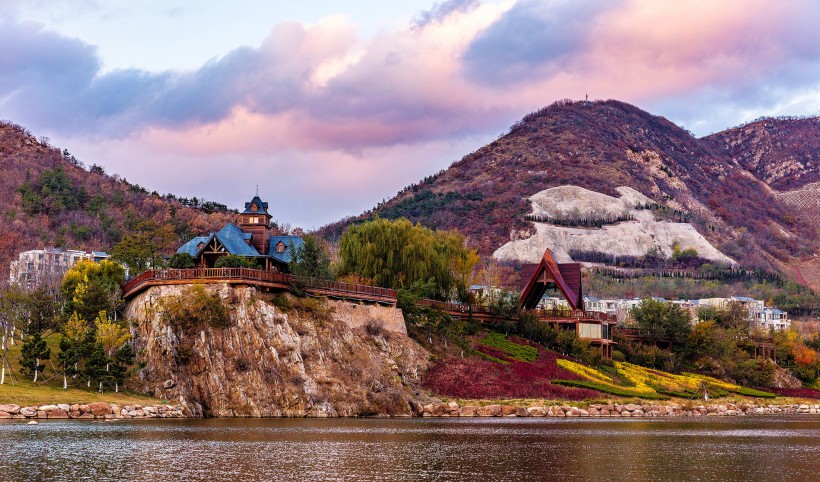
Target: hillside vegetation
{"points": [[50, 199]]}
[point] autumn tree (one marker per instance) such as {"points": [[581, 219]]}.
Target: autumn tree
{"points": [[73, 345], [112, 337], [91, 287]]}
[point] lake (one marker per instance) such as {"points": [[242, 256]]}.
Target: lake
{"points": [[726, 448]]}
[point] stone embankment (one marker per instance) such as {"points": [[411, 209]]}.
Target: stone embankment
{"points": [[90, 411], [452, 409]]}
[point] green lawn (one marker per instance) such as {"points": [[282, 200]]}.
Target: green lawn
{"points": [[49, 389]]}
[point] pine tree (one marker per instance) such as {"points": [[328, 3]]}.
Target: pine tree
{"points": [[33, 352], [94, 369]]}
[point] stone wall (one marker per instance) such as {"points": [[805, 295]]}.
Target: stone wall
{"points": [[452, 409], [90, 411]]}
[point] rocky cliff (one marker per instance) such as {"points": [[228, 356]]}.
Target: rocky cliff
{"points": [[277, 356]]}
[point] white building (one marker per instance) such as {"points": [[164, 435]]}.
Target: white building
{"points": [[760, 316], [45, 265]]}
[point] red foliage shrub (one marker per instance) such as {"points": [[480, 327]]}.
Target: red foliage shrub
{"points": [[473, 378], [796, 392]]}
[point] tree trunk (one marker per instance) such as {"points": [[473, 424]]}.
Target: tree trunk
{"points": [[36, 369], [101, 390], [65, 381], [116, 387], [3, 372]]}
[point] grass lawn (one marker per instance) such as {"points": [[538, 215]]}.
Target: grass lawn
{"points": [[24, 392]]}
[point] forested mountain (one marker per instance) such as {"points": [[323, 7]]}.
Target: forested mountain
{"points": [[48, 198], [711, 183]]}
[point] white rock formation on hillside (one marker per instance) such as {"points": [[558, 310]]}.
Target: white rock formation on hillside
{"points": [[628, 238]]}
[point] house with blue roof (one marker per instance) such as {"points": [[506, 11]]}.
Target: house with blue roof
{"points": [[249, 238]]}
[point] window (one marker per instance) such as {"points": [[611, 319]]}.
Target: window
{"points": [[280, 247], [254, 208]]}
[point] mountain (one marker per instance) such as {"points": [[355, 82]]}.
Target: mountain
{"points": [[697, 189], [782, 152], [47, 199]]}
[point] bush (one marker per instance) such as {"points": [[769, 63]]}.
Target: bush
{"points": [[234, 261], [620, 392], [513, 350], [181, 261], [195, 308]]}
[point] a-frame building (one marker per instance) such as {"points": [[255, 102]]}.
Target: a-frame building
{"points": [[565, 278]]}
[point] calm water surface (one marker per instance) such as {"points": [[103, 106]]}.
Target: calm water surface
{"points": [[753, 448]]}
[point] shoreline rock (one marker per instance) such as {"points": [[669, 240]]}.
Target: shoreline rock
{"points": [[91, 411], [105, 411], [612, 410]]}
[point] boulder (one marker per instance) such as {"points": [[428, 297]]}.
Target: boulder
{"points": [[64, 407], [58, 413], [508, 410], [522, 412], [469, 411], [631, 407], [100, 409], [489, 411], [441, 410], [84, 408], [28, 412], [87, 415], [10, 408], [454, 409], [537, 412], [42, 414], [5, 415], [48, 408]]}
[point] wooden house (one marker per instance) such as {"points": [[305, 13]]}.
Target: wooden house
{"points": [[250, 239]]}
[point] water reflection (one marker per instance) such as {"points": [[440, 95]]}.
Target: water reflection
{"points": [[782, 448]]}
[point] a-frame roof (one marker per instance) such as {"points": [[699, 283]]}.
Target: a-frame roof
{"points": [[537, 278], [230, 236]]}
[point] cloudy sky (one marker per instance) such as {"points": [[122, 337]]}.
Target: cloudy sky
{"points": [[330, 106]]}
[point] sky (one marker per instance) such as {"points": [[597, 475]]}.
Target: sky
{"points": [[332, 106]]}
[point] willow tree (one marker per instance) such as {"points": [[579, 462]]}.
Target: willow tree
{"points": [[397, 254]]}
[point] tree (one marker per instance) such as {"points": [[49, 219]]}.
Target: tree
{"points": [[12, 309], [123, 358], [95, 366], [397, 254], [91, 287], [234, 261], [35, 349], [181, 261], [112, 337], [310, 260], [463, 265], [144, 247], [74, 334], [663, 320]]}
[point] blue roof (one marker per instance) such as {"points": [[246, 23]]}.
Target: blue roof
{"points": [[230, 236], [235, 242], [288, 241], [261, 206], [744, 299], [192, 247]]}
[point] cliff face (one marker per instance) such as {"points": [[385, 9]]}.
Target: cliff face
{"points": [[297, 357]]}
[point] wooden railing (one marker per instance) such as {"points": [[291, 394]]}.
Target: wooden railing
{"points": [[334, 289], [259, 276]]}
